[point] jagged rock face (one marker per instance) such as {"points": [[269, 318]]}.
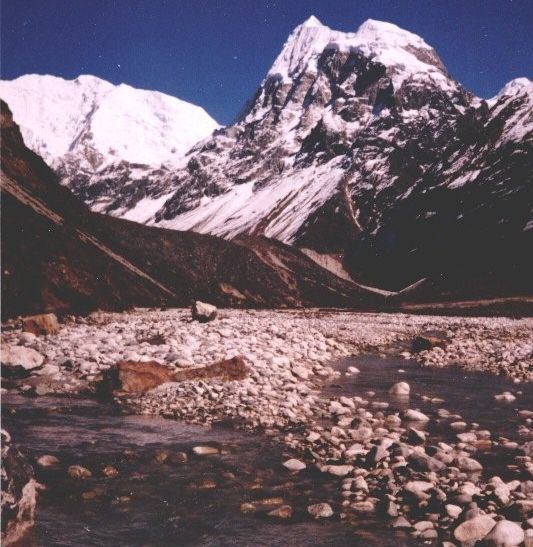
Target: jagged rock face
{"points": [[329, 101], [362, 145]]}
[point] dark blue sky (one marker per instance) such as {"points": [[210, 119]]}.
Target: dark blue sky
{"points": [[215, 52]]}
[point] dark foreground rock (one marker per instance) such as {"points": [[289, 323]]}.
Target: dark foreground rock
{"points": [[18, 495]]}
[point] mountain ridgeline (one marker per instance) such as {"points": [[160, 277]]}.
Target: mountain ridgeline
{"points": [[58, 256], [358, 148]]}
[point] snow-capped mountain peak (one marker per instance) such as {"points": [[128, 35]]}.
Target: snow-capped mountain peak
{"points": [[516, 86], [404, 52], [312, 21], [94, 124]]}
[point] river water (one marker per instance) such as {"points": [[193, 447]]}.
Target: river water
{"points": [[198, 502], [169, 504]]}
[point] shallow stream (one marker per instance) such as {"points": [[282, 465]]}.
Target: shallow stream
{"points": [[153, 503]]}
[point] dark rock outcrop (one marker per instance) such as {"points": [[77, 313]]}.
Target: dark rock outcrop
{"points": [[19, 492]]}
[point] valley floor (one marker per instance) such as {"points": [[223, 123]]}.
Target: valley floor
{"points": [[423, 459]]}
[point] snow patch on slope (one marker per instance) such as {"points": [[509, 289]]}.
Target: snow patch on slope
{"points": [[293, 197]]}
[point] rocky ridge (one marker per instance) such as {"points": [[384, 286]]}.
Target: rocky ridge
{"points": [[58, 256]]}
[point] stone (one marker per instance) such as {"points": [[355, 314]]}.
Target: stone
{"points": [[415, 436], [294, 465], [320, 510], [453, 511], [178, 457], [418, 489], [363, 507], [423, 525], [110, 471], [415, 416], [338, 470], [468, 464], [262, 505], [78, 472], [353, 370], [505, 534], [45, 323], [27, 338], [429, 534], [207, 484], [205, 450], [401, 522], [423, 462], [313, 436], [141, 376], [300, 372], [400, 389], [376, 454], [19, 361], [162, 456], [505, 397], [134, 377], [203, 312], [283, 513], [469, 437], [47, 461], [474, 529], [227, 370]]}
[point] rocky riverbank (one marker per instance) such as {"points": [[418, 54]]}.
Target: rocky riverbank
{"points": [[386, 462]]}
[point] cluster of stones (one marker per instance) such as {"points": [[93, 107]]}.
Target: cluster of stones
{"points": [[385, 462], [496, 345], [389, 467]]}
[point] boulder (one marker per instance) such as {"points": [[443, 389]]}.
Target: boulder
{"points": [[294, 465], [45, 323], [140, 376], [78, 472], [320, 510], [474, 529], [47, 461], [19, 361], [227, 369], [19, 493], [505, 534], [134, 377], [205, 450], [203, 312], [415, 416], [283, 513], [400, 389]]}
